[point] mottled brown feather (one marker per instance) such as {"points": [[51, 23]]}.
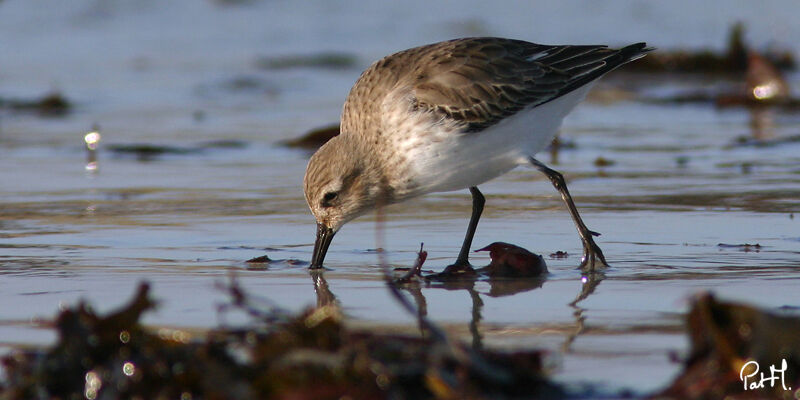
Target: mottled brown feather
{"points": [[479, 81]]}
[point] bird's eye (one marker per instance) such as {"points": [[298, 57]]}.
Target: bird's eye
{"points": [[328, 198]]}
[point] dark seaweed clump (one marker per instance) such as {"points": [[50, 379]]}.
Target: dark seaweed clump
{"points": [[733, 60], [724, 338], [312, 355], [52, 104], [325, 60], [315, 138], [153, 151]]}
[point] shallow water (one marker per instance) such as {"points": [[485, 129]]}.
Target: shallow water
{"points": [[680, 185]]}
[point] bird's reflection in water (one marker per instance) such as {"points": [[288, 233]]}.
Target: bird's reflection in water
{"points": [[498, 287], [468, 284], [589, 282], [324, 295]]}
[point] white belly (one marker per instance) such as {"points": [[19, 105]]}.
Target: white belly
{"points": [[443, 160]]}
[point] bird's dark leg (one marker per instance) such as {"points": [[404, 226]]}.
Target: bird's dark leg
{"points": [[477, 208], [592, 255]]}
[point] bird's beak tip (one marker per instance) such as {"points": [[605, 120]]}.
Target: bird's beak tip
{"points": [[321, 244]]}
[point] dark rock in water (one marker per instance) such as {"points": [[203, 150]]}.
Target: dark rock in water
{"points": [[509, 260], [559, 254], [223, 144], [603, 162], [260, 259], [728, 342], [51, 105], [147, 151], [328, 60], [746, 247], [315, 138], [150, 151]]}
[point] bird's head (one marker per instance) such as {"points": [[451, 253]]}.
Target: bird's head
{"points": [[339, 185]]}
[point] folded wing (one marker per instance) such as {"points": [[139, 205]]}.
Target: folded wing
{"points": [[480, 81]]}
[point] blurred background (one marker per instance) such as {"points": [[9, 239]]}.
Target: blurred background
{"points": [[685, 163], [147, 69]]}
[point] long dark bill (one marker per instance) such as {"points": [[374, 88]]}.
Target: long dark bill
{"points": [[324, 238]]}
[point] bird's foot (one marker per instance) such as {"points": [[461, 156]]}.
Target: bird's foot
{"points": [[593, 257], [460, 263], [457, 270], [460, 266]]}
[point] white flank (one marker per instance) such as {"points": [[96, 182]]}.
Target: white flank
{"points": [[445, 160]]}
